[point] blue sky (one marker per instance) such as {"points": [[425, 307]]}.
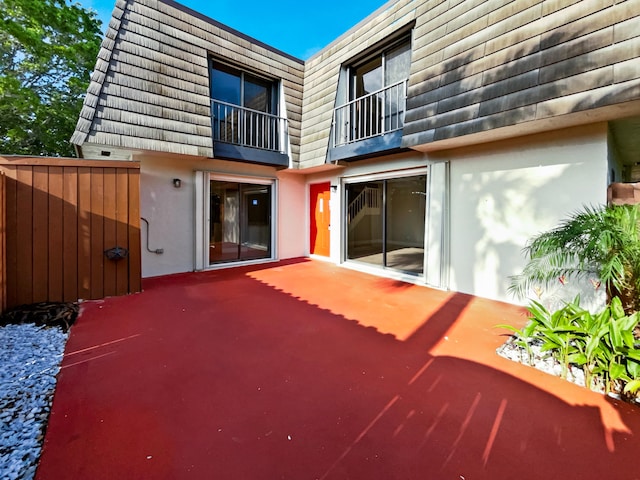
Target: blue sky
{"points": [[297, 27]]}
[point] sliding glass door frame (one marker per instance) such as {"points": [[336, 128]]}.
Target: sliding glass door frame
{"points": [[203, 218], [382, 177]]}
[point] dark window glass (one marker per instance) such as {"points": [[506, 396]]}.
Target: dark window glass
{"points": [[240, 222], [386, 223], [244, 109], [257, 94], [226, 84]]}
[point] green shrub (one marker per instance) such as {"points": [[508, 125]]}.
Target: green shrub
{"points": [[602, 344]]}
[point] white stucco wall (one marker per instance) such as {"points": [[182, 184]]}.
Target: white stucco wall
{"points": [[292, 231], [170, 211], [500, 195], [503, 193]]}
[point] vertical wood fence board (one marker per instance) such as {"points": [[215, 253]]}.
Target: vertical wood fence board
{"points": [[40, 225], [135, 265], [3, 240], [122, 238], [24, 234], [97, 233], [55, 278], [11, 218], [109, 237], [84, 233], [70, 234]]}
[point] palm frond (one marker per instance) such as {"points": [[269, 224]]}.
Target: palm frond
{"points": [[598, 241]]}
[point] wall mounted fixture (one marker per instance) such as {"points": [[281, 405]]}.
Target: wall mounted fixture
{"points": [[116, 253], [334, 188], [177, 182]]}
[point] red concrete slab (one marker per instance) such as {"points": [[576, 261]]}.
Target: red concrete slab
{"points": [[305, 370]]}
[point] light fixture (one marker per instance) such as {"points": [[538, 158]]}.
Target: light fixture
{"points": [[334, 188], [177, 183]]}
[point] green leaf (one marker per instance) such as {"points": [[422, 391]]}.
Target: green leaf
{"points": [[577, 358], [632, 387], [617, 370], [508, 327], [633, 367], [548, 346], [616, 307], [615, 335], [627, 338], [634, 355]]}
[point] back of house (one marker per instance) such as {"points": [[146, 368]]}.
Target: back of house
{"points": [[427, 143]]}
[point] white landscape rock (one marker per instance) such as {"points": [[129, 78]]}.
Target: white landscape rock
{"points": [[542, 360], [30, 359]]}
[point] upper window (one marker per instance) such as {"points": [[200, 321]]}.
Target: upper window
{"points": [[377, 95], [244, 108]]}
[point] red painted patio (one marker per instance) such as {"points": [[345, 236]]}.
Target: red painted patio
{"points": [[306, 370]]}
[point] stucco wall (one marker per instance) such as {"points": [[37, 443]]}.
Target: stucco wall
{"points": [[505, 192], [170, 211]]}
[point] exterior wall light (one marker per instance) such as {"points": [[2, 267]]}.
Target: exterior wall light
{"points": [[177, 183], [334, 188]]}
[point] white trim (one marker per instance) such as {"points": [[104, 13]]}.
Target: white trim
{"points": [[408, 172], [200, 219], [389, 273], [203, 217], [223, 177], [436, 222], [436, 226], [243, 263]]}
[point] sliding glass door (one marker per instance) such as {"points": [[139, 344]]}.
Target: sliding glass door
{"points": [[365, 222], [239, 221], [386, 223]]}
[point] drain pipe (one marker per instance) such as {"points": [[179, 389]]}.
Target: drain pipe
{"points": [[157, 251]]}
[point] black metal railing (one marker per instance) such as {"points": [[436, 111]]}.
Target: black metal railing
{"points": [[374, 114], [246, 127]]}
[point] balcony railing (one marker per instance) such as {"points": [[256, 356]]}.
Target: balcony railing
{"points": [[371, 115], [248, 128]]}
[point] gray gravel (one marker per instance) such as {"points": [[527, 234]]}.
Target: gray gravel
{"points": [[543, 361], [30, 359]]}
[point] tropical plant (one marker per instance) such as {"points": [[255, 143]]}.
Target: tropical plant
{"points": [[600, 244], [602, 344]]}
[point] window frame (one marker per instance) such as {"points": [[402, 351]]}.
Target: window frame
{"points": [[380, 53], [246, 134], [274, 84]]}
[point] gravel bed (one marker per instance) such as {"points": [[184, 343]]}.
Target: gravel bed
{"points": [[544, 361], [30, 359]]}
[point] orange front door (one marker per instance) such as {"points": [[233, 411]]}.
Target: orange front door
{"points": [[320, 219]]}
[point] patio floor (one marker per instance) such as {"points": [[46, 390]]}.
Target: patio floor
{"points": [[306, 370]]}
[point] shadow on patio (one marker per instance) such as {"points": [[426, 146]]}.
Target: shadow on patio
{"points": [[307, 370]]}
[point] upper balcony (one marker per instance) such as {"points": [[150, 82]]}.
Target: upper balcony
{"points": [[244, 120], [241, 133], [372, 98], [377, 113]]}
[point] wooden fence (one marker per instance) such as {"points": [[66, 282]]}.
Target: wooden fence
{"points": [[3, 243], [57, 219]]}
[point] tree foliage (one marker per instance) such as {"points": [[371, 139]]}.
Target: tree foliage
{"points": [[601, 244], [48, 49]]}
